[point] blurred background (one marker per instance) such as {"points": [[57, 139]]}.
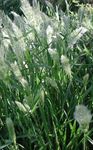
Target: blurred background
{"points": [[14, 5]]}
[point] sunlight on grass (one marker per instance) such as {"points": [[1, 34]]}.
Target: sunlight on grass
{"points": [[46, 71]]}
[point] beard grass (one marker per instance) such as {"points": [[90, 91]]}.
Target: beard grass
{"points": [[37, 96]]}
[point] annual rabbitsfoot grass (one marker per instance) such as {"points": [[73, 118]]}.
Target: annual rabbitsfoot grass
{"points": [[83, 117], [46, 70]]}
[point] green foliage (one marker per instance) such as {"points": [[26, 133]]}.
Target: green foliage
{"points": [[10, 5], [45, 71]]}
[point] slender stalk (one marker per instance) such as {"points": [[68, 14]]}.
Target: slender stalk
{"points": [[84, 143]]}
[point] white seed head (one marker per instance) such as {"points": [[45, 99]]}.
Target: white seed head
{"points": [[18, 74], [53, 53], [66, 65], [23, 82], [64, 60], [83, 116], [49, 33], [49, 30]]}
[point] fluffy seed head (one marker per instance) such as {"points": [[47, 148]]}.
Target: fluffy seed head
{"points": [[83, 116]]}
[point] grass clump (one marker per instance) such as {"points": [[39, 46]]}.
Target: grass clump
{"points": [[45, 71]]}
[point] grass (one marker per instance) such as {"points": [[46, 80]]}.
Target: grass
{"points": [[38, 89]]}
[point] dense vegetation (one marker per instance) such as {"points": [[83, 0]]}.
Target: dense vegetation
{"points": [[14, 5], [46, 70]]}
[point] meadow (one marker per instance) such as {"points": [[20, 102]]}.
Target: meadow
{"points": [[46, 72]]}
